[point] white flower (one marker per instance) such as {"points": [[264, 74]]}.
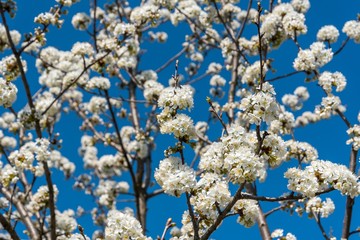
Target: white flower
{"points": [[251, 76], [336, 79], [261, 106], [352, 30], [294, 24], [98, 82], [328, 33], [8, 93], [124, 29], [209, 191], [174, 177], [248, 212], [177, 98], [10, 69], [123, 226], [301, 6], [301, 151], [97, 105], [354, 134], [217, 80], [81, 21], [214, 68], [181, 126], [67, 3], [313, 58], [316, 206], [319, 175], [82, 48], [152, 90], [4, 42], [65, 222], [41, 199]]}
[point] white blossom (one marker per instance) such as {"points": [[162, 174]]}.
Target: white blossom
{"points": [[313, 58], [327, 80], [354, 134], [123, 226], [316, 206], [8, 93], [174, 177], [352, 30], [328, 33], [81, 21]]}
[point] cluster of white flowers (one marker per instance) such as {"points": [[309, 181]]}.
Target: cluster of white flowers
{"points": [[42, 103], [61, 162], [8, 93], [65, 222], [96, 105], [313, 58], [214, 68], [174, 177], [59, 69], [295, 101], [81, 21], [144, 14], [210, 194], [108, 190], [328, 33], [98, 83], [319, 175], [294, 24], [302, 151], [160, 37], [177, 98], [121, 225], [9, 68], [261, 106], [181, 125], [352, 30], [279, 235], [41, 199], [152, 90], [188, 8], [82, 49], [8, 175], [328, 106], [48, 18], [124, 29], [284, 124], [354, 134], [306, 118], [171, 100], [327, 80], [67, 3], [315, 206], [301, 6], [4, 42], [286, 20], [251, 75], [236, 155], [248, 211]]}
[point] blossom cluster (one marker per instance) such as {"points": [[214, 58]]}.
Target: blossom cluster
{"points": [[319, 175]]}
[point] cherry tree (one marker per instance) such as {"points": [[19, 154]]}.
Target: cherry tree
{"points": [[205, 127]]}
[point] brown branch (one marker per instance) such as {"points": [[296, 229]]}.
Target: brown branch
{"points": [[173, 58], [7, 226], [318, 221], [283, 76], [342, 46], [223, 214]]}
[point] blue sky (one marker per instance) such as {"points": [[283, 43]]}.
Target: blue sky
{"points": [[328, 136]]}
